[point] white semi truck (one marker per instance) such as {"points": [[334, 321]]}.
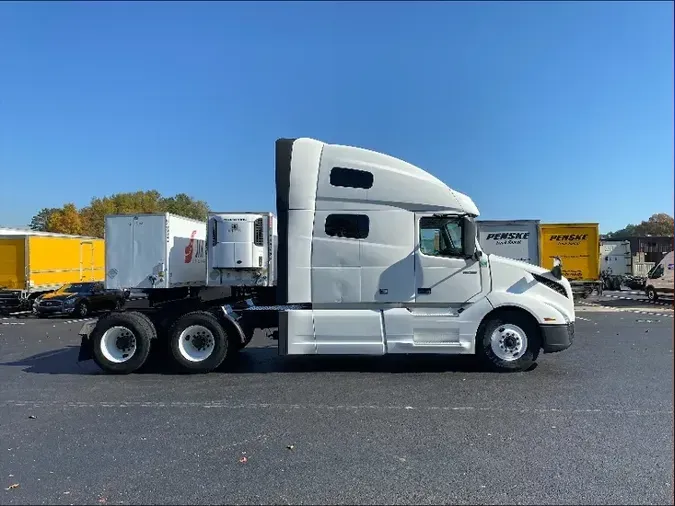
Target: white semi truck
{"points": [[367, 255]]}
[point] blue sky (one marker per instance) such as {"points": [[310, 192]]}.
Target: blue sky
{"points": [[558, 111]]}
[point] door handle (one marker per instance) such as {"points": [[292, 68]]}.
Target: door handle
{"points": [[424, 291]]}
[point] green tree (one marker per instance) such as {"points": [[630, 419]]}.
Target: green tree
{"points": [[90, 220], [658, 224], [184, 205], [39, 221]]}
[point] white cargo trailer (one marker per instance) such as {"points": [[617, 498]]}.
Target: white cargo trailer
{"points": [[615, 258], [515, 239], [374, 256], [154, 251]]}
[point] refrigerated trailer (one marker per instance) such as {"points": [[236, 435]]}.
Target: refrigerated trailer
{"points": [[367, 254], [161, 254]]}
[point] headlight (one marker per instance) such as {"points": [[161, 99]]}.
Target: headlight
{"points": [[69, 301]]}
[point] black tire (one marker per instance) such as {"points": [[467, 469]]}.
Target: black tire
{"points": [[484, 349], [82, 309], [143, 331], [651, 293], [220, 341]]}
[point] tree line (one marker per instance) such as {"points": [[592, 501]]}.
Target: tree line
{"points": [[90, 220], [660, 224]]}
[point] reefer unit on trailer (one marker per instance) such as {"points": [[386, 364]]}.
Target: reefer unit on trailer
{"points": [[515, 239], [578, 247], [34, 264], [149, 251], [242, 249]]}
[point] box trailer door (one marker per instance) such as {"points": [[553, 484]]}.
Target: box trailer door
{"points": [[577, 245], [13, 263], [518, 240], [135, 251]]}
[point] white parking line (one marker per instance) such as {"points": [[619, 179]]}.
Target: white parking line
{"points": [[624, 310], [12, 323], [642, 301], [79, 320]]}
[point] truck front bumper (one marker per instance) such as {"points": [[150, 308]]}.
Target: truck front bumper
{"points": [[86, 348], [556, 337]]}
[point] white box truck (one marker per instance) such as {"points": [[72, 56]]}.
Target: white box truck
{"points": [[373, 256], [153, 251], [515, 239]]}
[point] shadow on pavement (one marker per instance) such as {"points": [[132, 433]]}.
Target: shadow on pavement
{"points": [[261, 361], [61, 361]]}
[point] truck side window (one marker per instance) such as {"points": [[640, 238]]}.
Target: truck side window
{"points": [[351, 226], [351, 178], [441, 237]]}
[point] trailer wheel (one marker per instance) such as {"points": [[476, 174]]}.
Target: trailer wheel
{"points": [[198, 342], [122, 342], [651, 293], [509, 341]]}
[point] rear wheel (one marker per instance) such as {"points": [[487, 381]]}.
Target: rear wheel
{"points": [[122, 342], [509, 341], [651, 293], [198, 342]]}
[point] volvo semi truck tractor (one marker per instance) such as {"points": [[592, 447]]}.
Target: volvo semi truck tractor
{"points": [[367, 254]]}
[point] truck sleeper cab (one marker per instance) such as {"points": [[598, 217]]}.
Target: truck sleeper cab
{"points": [[373, 256]]}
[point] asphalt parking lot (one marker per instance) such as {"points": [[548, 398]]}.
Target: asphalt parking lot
{"points": [[591, 425]]}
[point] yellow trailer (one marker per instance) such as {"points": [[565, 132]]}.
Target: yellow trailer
{"points": [[578, 247], [31, 265]]}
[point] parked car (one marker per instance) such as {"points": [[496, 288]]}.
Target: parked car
{"points": [[79, 299]]}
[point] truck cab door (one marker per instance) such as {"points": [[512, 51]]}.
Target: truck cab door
{"points": [[443, 274]]}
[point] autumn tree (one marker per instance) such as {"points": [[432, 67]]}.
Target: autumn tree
{"points": [[90, 220], [39, 221], [66, 220], [660, 224]]}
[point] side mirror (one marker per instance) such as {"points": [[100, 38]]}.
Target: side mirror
{"points": [[468, 236], [557, 268]]}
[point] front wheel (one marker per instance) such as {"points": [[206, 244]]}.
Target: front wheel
{"points": [[198, 342], [651, 293], [508, 342]]}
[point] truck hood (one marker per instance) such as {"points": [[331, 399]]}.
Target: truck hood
{"points": [[496, 260]]}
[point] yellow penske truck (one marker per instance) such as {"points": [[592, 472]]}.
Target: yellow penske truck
{"points": [[32, 265]]}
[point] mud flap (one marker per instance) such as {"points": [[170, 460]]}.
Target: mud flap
{"points": [[86, 351]]}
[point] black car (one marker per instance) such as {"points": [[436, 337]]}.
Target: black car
{"points": [[78, 299]]}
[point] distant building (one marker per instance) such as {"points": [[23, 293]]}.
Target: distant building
{"points": [[653, 247]]}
